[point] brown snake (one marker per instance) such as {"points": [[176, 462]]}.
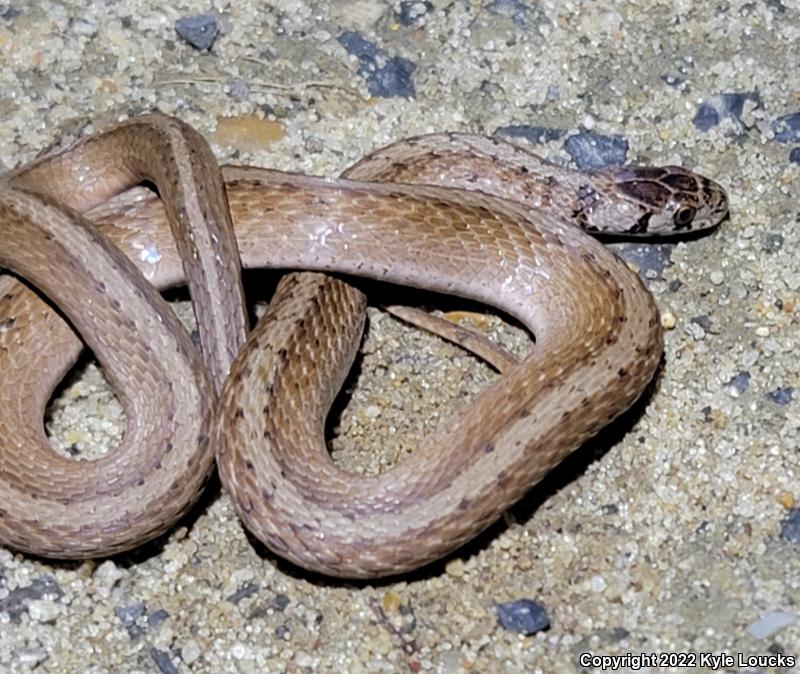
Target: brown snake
{"points": [[598, 338]]}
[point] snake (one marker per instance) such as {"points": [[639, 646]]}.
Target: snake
{"points": [[91, 233]]}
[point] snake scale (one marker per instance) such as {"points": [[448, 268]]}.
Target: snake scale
{"points": [[88, 251]]}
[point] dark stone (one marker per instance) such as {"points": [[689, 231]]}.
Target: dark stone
{"points": [[394, 79], [706, 118], [391, 79], [723, 106], [787, 128], [16, 603], [358, 46], [157, 617], [771, 242], [794, 155], [703, 321], [129, 617], [9, 12], [163, 661], [776, 6], [247, 591], [790, 527], [647, 258], [412, 11], [281, 601], [525, 616], [740, 382], [200, 30], [533, 134], [595, 151], [782, 395]]}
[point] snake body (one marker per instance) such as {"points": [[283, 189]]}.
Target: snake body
{"points": [[509, 245]]}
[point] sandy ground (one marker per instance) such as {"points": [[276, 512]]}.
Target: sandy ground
{"points": [[672, 533]]}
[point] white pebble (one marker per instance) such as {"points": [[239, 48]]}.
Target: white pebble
{"points": [[190, 652], [43, 610], [717, 277], [106, 576]]}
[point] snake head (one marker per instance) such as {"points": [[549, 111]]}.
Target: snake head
{"points": [[663, 200]]}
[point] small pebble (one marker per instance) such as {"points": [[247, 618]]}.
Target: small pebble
{"points": [[391, 602], [411, 11], [770, 623], [31, 658], [190, 652], [596, 151], [200, 30], [455, 568], [728, 106], [106, 576], [794, 155], [525, 616], [717, 277], [163, 661], [668, 320], [771, 242], [786, 499], [43, 610], [787, 128], [782, 395], [739, 382], [790, 527]]}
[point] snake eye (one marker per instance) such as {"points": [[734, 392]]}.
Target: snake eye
{"points": [[683, 217]]}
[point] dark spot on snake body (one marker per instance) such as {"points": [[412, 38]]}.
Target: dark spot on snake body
{"points": [[523, 170], [169, 447], [239, 413], [622, 373], [464, 504], [7, 324], [489, 448], [157, 465], [249, 466], [140, 483]]}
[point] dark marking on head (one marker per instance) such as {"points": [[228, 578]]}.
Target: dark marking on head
{"points": [[650, 193], [679, 181], [641, 224]]}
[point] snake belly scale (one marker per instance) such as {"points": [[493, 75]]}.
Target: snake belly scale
{"points": [[598, 339]]}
